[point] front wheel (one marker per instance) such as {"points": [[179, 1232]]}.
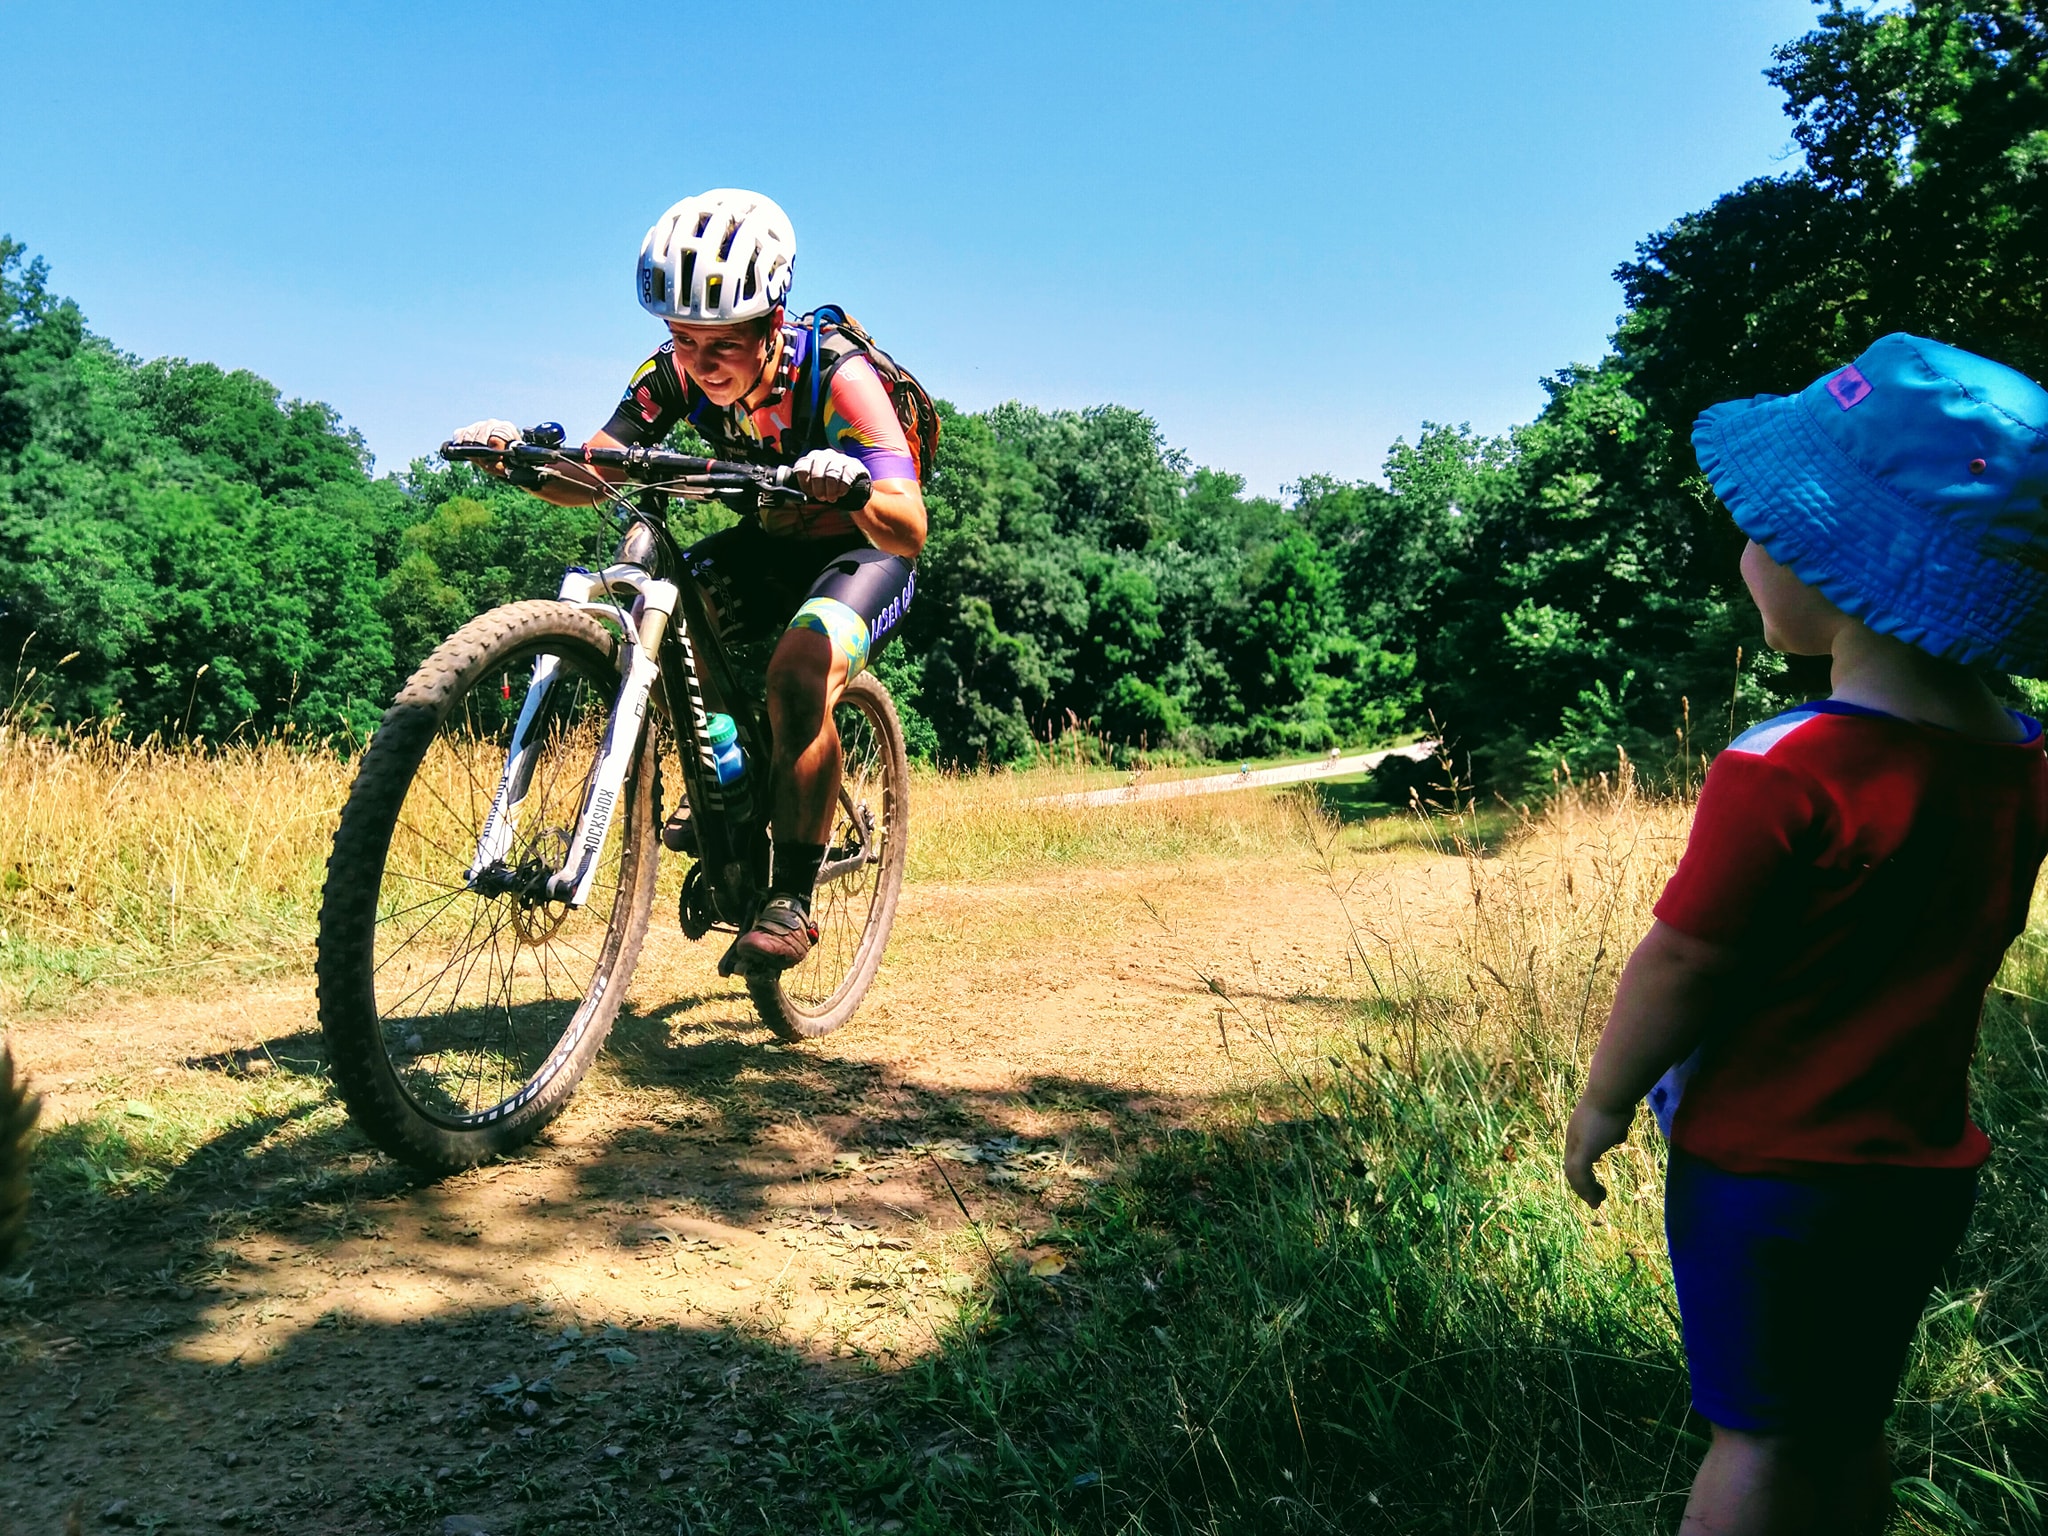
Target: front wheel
{"points": [[862, 876], [461, 1013]]}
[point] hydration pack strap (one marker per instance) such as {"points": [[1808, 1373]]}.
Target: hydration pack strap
{"points": [[815, 428]]}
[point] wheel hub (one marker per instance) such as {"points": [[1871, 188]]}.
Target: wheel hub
{"points": [[535, 914]]}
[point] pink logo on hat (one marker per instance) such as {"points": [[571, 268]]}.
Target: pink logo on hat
{"points": [[1849, 387]]}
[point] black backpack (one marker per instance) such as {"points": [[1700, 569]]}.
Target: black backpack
{"points": [[836, 336]]}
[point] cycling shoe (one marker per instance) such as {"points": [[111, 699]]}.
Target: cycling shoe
{"points": [[782, 936], [679, 834]]}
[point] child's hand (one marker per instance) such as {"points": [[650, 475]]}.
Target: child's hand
{"points": [[1592, 1133]]}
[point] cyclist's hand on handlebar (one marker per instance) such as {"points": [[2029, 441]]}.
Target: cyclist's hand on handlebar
{"points": [[490, 433], [825, 476]]}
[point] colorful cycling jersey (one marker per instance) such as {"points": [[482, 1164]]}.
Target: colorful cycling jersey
{"points": [[859, 417]]}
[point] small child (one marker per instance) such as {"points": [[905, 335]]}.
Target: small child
{"points": [[1856, 869]]}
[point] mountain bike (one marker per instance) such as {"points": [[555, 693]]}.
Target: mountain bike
{"points": [[493, 873]]}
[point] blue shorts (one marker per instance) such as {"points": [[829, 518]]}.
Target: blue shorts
{"points": [[1799, 1296]]}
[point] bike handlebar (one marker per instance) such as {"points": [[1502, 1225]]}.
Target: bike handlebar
{"points": [[680, 471]]}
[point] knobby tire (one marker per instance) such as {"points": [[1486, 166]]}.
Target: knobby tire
{"points": [[402, 1107], [853, 915]]}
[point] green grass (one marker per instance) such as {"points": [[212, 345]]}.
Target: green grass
{"points": [[1381, 1311], [1366, 1301], [1360, 1299]]}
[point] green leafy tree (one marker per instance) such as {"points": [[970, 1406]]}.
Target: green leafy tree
{"points": [[180, 549], [1921, 205]]}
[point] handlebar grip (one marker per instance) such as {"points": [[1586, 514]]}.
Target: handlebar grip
{"points": [[856, 497]]}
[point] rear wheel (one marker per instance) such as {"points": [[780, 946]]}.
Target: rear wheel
{"points": [[460, 1015], [862, 877]]}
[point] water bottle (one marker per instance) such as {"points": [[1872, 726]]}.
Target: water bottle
{"points": [[731, 764]]}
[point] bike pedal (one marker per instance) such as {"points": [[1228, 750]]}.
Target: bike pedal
{"points": [[730, 963]]}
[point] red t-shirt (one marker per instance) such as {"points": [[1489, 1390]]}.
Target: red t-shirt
{"points": [[1872, 871]]}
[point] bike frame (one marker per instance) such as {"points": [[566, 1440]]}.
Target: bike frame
{"points": [[660, 622]]}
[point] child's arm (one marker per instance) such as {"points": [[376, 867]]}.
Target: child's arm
{"points": [[1661, 1008]]}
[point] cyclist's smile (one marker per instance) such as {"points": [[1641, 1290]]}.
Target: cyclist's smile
{"points": [[725, 361]]}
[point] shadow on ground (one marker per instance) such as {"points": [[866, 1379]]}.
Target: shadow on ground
{"points": [[269, 1327]]}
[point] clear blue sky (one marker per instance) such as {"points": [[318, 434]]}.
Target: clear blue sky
{"points": [[1290, 232]]}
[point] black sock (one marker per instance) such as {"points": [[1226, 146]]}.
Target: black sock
{"points": [[795, 871]]}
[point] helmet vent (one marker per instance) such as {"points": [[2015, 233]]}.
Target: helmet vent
{"points": [[721, 256]]}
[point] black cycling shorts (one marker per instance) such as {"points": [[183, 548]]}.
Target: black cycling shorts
{"points": [[843, 588]]}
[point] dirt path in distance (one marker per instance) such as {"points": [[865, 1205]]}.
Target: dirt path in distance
{"points": [[289, 1334]]}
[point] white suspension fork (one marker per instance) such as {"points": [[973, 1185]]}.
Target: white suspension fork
{"points": [[654, 603], [502, 824], [657, 601]]}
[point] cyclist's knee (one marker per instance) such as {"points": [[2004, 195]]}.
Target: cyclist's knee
{"points": [[799, 677]]}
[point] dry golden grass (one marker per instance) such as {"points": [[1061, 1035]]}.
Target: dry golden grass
{"points": [[973, 827], [1518, 976], [1551, 916], [143, 866], [133, 862]]}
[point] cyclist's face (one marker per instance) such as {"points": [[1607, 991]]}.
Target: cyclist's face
{"points": [[724, 361]]}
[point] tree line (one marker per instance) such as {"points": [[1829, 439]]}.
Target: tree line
{"points": [[183, 550]]}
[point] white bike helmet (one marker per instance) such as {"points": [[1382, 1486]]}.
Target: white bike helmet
{"points": [[717, 258]]}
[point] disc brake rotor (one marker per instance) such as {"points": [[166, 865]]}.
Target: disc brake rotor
{"points": [[536, 921]]}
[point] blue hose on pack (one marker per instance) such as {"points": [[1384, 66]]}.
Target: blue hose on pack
{"points": [[818, 364]]}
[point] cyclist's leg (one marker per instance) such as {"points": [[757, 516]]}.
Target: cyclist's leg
{"points": [[810, 670], [856, 602]]}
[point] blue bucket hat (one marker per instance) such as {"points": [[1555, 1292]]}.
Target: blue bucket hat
{"points": [[1910, 487]]}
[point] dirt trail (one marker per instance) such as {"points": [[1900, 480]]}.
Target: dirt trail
{"points": [[292, 1335], [1331, 767]]}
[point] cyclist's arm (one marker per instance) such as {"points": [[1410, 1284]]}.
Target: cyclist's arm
{"points": [[860, 420], [894, 518]]}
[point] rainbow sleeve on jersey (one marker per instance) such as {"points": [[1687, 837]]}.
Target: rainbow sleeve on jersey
{"points": [[860, 420]]}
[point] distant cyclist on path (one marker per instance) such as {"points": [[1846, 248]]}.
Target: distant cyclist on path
{"points": [[762, 387]]}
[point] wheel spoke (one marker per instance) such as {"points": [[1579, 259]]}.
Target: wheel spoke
{"points": [[471, 1007], [847, 908]]}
